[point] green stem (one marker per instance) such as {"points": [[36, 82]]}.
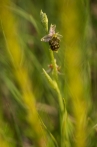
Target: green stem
{"points": [[54, 84], [54, 66], [62, 111], [56, 79], [60, 99]]}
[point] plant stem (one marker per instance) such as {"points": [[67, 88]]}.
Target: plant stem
{"points": [[54, 65], [62, 109]]}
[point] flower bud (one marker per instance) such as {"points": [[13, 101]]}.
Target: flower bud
{"points": [[44, 20]]}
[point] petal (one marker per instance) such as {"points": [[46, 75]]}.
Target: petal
{"points": [[46, 38], [52, 29]]}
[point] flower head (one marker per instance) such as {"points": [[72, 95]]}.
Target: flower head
{"points": [[53, 38]]}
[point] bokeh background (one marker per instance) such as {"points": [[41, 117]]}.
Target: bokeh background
{"points": [[24, 89]]}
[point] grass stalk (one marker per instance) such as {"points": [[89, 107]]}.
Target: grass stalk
{"points": [[20, 72], [73, 17], [3, 141]]}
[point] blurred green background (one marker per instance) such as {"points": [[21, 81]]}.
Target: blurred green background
{"points": [[35, 55]]}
